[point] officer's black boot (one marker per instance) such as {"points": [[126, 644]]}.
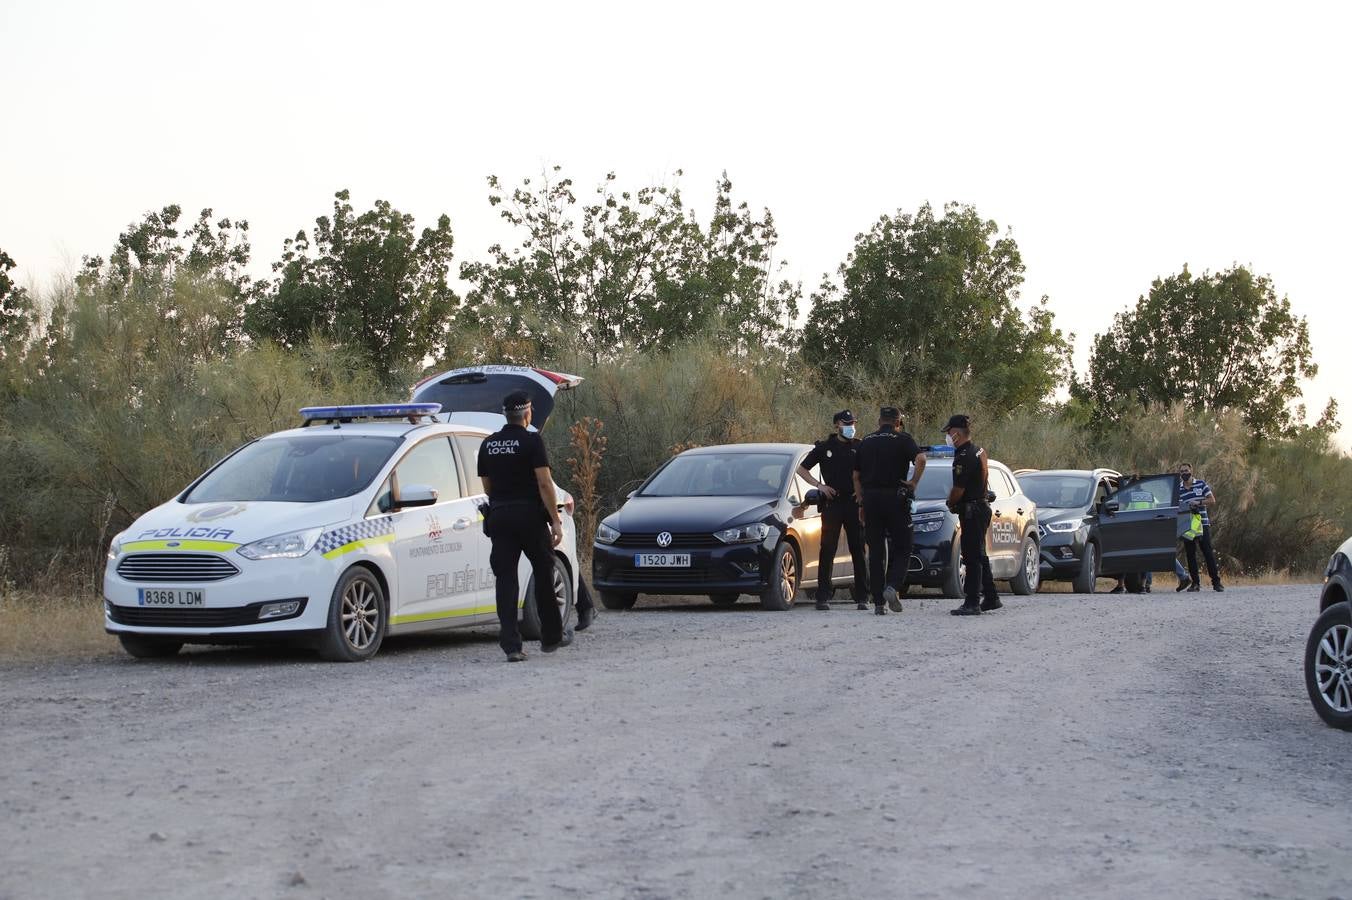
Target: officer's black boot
{"points": [[991, 603], [968, 608]]}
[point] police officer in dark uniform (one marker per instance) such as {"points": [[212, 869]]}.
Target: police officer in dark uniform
{"points": [[969, 500], [522, 517], [834, 457], [881, 465]]}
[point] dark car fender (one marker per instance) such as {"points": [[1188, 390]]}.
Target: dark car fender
{"points": [[1337, 582]]}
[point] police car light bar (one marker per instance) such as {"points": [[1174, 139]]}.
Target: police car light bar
{"points": [[939, 450], [368, 411]]}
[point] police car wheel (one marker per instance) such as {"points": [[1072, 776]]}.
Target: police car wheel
{"points": [[724, 599], [955, 580], [615, 600], [143, 647], [357, 614], [784, 578], [1026, 580], [1086, 580], [1328, 666], [563, 594]]}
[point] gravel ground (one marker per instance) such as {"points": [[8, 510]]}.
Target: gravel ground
{"points": [[1066, 745]]}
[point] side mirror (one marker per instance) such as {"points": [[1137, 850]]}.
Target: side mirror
{"points": [[1112, 507], [416, 495], [813, 497]]}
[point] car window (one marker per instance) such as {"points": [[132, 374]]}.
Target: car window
{"points": [[1099, 495], [936, 481], [721, 475], [1154, 492], [1058, 491], [468, 445], [999, 483], [800, 486], [304, 468], [430, 463]]}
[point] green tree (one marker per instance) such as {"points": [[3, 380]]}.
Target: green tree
{"points": [[924, 301], [1218, 341], [367, 281], [630, 271], [16, 311]]}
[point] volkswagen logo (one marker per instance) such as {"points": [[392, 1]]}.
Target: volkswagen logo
{"points": [[664, 539]]}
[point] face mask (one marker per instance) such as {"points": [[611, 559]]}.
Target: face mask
{"points": [[948, 439], [847, 432]]}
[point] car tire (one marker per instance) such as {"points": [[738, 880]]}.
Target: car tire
{"points": [[1026, 580], [142, 647], [1086, 580], [954, 580], [358, 613], [615, 600], [785, 577], [530, 613], [1134, 582], [1329, 647], [724, 600]]}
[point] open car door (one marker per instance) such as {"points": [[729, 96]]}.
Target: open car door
{"points": [[1138, 525], [473, 395]]}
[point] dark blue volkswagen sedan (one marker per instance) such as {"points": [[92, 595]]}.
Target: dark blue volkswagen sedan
{"points": [[719, 521]]}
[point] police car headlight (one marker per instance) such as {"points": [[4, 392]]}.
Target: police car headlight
{"points": [[758, 531], [115, 547], [1066, 525], [606, 535], [292, 545], [927, 522]]}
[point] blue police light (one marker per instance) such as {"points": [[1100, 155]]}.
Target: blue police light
{"points": [[368, 411], [939, 450]]}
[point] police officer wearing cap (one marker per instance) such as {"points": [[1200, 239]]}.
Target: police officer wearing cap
{"points": [[834, 458], [970, 501], [522, 517], [881, 466]]}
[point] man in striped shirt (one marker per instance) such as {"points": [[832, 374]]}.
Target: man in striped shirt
{"points": [[1195, 496]]}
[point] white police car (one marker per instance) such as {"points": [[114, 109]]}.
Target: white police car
{"points": [[360, 523]]}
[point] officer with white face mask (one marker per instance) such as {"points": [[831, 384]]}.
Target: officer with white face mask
{"points": [[834, 458]]}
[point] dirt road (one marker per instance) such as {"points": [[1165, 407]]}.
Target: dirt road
{"points": [[1064, 746]]}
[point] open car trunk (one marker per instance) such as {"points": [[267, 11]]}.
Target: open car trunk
{"points": [[473, 395]]}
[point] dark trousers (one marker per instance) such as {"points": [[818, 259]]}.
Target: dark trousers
{"points": [[584, 597], [976, 520], [887, 530], [838, 514], [515, 530], [1190, 547]]}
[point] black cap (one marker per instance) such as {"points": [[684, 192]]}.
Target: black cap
{"points": [[890, 412], [958, 421], [843, 416], [516, 401]]}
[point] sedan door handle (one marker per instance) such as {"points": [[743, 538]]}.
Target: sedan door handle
{"points": [[460, 524], [1019, 511]]}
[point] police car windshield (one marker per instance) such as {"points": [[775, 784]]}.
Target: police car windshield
{"points": [[721, 475], [296, 469], [1058, 491], [936, 481]]}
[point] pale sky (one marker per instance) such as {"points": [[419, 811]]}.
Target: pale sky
{"points": [[1116, 142]]}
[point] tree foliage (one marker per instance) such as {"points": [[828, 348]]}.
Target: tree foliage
{"points": [[367, 281], [631, 270], [1218, 341], [924, 301]]}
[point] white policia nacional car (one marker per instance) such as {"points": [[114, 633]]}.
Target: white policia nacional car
{"points": [[360, 523]]}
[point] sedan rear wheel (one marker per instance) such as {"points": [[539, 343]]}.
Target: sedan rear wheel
{"points": [[1025, 581]]}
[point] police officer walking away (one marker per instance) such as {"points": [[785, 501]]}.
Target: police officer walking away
{"points": [[523, 517], [834, 458], [881, 465], [969, 501]]}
